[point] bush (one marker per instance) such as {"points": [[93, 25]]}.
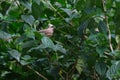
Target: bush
{"points": [[85, 44]]}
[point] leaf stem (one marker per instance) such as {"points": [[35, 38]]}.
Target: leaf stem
{"points": [[107, 24]]}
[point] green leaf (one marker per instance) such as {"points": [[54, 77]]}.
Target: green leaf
{"points": [[26, 57], [102, 27], [29, 32], [100, 68], [60, 48], [92, 26], [47, 42], [54, 71], [112, 71], [47, 4], [37, 10], [22, 62], [37, 1], [38, 36], [117, 21], [26, 60], [101, 50], [40, 47], [14, 13], [60, 2], [80, 4], [117, 39], [28, 44], [5, 6], [82, 28], [67, 11], [4, 35], [1, 16], [15, 54], [26, 3], [79, 65], [28, 19]]}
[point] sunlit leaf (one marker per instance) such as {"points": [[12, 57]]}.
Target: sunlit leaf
{"points": [[79, 65]]}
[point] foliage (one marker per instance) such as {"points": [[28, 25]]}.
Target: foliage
{"points": [[85, 44]]}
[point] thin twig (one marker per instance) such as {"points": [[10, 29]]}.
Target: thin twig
{"points": [[37, 73], [107, 24]]}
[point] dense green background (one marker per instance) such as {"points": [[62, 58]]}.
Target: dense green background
{"points": [[85, 44]]}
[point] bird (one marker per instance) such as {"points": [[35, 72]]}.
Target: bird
{"points": [[49, 31]]}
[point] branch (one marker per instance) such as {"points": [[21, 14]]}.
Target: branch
{"points": [[37, 73], [106, 20]]}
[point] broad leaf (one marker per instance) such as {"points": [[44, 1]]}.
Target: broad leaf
{"points": [[5, 6], [47, 42], [5, 36], [14, 13], [101, 68], [100, 50], [28, 19], [26, 60], [102, 27], [29, 32], [67, 11], [22, 62], [28, 44], [37, 1], [82, 28], [42, 46], [15, 54], [37, 10], [60, 48], [26, 3], [54, 71], [79, 65], [113, 70]]}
